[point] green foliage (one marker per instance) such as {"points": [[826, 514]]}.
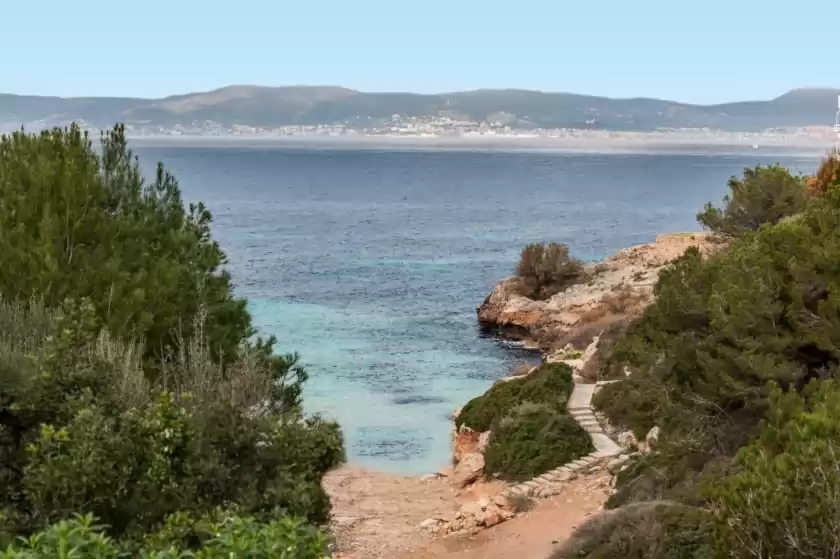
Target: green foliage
{"points": [[763, 195], [645, 530], [532, 439], [231, 536], [550, 384], [84, 431], [133, 408], [719, 333], [75, 223], [548, 269], [785, 501]]}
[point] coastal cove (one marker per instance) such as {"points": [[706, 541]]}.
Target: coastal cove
{"points": [[371, 263]]}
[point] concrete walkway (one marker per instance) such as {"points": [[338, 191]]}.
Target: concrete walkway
{"points": [[580, 407]]}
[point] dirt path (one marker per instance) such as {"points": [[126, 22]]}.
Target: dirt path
{"points": [[377, 515], [531, 536]]}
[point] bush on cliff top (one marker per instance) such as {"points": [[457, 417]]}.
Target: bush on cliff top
{"points": [[532, 439], [551, 384], [763, 195], [548, 269]]}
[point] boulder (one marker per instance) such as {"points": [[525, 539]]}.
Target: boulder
{"points": [[468, 470], [626, 440], [479, 514], [652, 437]]}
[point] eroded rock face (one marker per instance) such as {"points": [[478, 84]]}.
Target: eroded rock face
{"points": [[464, 442], [620, 286], [468, 470]]}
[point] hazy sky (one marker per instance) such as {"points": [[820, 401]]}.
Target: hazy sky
{"points": [[704, 51]]}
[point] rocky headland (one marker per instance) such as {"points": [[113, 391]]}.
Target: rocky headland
{"points": [[616, 289]]}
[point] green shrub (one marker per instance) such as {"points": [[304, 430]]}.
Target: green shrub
{"points": [[548, 269], [645, 530], [763, 195], [550, 384], [785, 501], [230, 536], [532, 439], [84, 431]]}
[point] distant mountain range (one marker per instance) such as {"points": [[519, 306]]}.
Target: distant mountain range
{"points": [[278, 106]]}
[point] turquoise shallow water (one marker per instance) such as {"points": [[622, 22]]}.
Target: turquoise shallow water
{"points": [[370, 263]]}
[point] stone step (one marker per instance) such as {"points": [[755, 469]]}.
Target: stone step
{"points": [[574, 409], [587, 421], [582, 416]]}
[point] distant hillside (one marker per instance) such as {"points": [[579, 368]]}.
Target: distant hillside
{"points": [[277, 106]]}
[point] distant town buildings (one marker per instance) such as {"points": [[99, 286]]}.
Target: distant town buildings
{"points": [[500, 126]]}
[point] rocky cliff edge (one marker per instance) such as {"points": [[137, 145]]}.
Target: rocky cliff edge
{"points": [[617, 288]]}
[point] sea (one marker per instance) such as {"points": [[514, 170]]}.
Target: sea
{"points": [[370, 263]]}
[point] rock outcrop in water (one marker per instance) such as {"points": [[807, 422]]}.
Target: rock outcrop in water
{"points": [[619, 287]]}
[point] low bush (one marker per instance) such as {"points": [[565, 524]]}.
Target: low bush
{"points": [[645, 530], [83, 430], [532, 439], [548, 269], [550, 384], [763, 195], [231, 536]]}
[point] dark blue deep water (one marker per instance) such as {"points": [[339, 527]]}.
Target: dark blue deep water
{"points": [[371, 263]]}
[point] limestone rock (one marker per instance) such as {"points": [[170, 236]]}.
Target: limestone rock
{"points": [[626, 440], [468, 470], [431, 524], [483, 441], [652, 436], [620, 288], [477, 515], [464, 441]]}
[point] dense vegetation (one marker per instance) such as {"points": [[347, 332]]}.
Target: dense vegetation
{"points": [[735, 363], [75, 223], [531, 431], [764, 195], [132, 390], [547, 269]]}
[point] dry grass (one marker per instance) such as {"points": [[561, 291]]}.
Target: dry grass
{"points": [[827, 174]]}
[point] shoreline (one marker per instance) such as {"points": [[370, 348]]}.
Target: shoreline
{"points": [[644, 145]]}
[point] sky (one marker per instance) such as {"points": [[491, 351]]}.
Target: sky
{"points": [[706, 52]]}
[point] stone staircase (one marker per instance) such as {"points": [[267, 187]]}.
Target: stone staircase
{"points": [[550, 483]]}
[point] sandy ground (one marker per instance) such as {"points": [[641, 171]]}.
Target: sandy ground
{"points": [[531, 536], [377, 516]]}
